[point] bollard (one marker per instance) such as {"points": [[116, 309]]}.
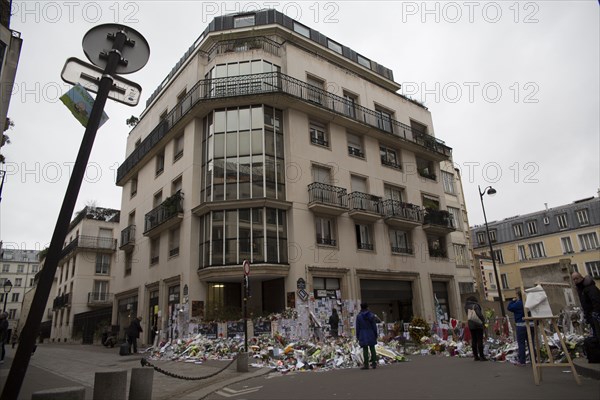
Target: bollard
{"points": [[66, 393], [242, 362], [140, 387], [110, 385]]}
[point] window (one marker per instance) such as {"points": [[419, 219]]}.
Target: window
{"points": [[498, 256], [5, 267], [456, 217], [174, 242], [358, 184], [315, 92], [364, 239], [325, 229], [582, 217], [20, 268], [301, 29], [355, 146], [593, 268], [128, 263], [493, 235], [504, 280], [561, 220], [567, 246], [389, 157], [400, 241], [178, 148], [321, 174], [35, 268], [133, 187], [243, 20], [100, 291], [393, 192], [588, 241], [154, 250], [574, 268], [18, 282], [318, 134], [102, 264], [522, 253], [326, 287], [481, 238], [350, 104], [537, 250], [363, 61], [157, 199], [12, 313], [426, 168], [334, 46], [15, 297], [31, 282], [518, 230], [448, 181], [466, 287], [418, 128], [384, 119], [160, 163], [532, 227], [460, 253], [176, 185]]}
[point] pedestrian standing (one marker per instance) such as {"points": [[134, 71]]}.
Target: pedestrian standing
{"points": [[589, 296], [366, 333], [476, 328], [3, 333], [334, 322], [516, 307], [133, 333]]}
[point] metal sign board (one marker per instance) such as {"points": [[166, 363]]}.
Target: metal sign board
{"points": [[77, 71], [246, 267]]}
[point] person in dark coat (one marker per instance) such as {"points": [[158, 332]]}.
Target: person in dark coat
{"points": [[366, 333], [589, 296], [516, 307], [133, 333], [476, 329], [334, 322], [3, 332]]}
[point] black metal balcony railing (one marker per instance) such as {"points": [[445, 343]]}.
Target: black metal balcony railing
{"points": [[365, 246], [89, 242], [402, 250], [399, 209], [327, 194], [438, 217], [61, 301], [364, 201], [276, 82], [326, 241], [168, 209], [353, 151], [441, 253], [319, 141], [99, 297], [128, 235]]}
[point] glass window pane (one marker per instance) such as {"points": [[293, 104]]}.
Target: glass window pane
{"points": [[232, 120], [244, 139], [269, 142], [245, 68], [220, 121], [244, 122], [256, 66], [233, 69], [232, 144], [257, 118], [257, 142], [219, 145]]}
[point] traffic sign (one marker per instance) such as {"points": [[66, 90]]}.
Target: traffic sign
{"points": [[246, 267], [87, 75]]}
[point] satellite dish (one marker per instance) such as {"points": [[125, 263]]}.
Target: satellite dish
{"points": [[98, 42]]}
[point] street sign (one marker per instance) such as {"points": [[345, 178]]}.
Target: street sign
{"points": [[87, 75], [301, 283], [246, 267]]}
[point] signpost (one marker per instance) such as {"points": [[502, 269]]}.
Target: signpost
{"points": [[117, 49]]}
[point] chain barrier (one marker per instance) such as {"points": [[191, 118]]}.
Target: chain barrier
{"points": [[146, 363]]}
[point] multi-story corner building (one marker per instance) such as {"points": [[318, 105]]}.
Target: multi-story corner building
{"points": [[82, 302], [272, 143], [544, 237], [10, 51], [19, 267]]}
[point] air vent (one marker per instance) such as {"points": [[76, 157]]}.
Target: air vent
{"points": [[546, 221]]}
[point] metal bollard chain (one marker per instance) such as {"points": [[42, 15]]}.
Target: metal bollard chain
{"points": [[147, 363]]}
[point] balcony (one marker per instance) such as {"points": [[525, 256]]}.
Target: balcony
{"points": [[401, 215], [99, 299], [270, 83], [61, 301], [327, 199], [128, 238], [402, 250], [439, 253], [96, 243], [364, 206], [168, 214], [438, 222]]}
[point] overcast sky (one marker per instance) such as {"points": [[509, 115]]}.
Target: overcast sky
{"points": [[513, 88]]}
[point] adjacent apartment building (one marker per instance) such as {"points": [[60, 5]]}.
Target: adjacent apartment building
{"points": [[272, 143], [544, 237], [81, 296]]}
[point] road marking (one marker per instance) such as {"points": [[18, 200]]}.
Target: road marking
{"points": [[227, 392]]}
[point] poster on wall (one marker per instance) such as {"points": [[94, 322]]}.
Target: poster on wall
{"points": [[235, 329], [262, 327], [208, 329]]}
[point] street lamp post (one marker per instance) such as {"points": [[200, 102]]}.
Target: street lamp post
{"points": [[491, 191], [7, 288]]}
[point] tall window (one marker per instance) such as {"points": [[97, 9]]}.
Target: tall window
{"points": [[133, 186], [154, 250], [460, 253], [364, 237], [537, 250], [593, 268], [350, 104], [400, 241], [561, 220], [522, 253], [384, 118], [582, 217], [518, 230], [318, 134], [355, 146], [20, 269], [481, 238], [456, 217], [389, 157], [178, 148], [504, 280], [18, 282], [174, 242], [100, 291], [493, 236], [588, 241], [325, 230], [128, 263], [448, 181], [532, 227], [567, 246], [5, 267], [315, 93], [102, 264], [321, 174], [393, 192], [160, 163], [498, 256]]}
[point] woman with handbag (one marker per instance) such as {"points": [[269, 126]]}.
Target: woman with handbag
{"points": [[476, 321]]}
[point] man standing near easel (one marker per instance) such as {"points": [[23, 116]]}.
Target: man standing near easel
{"points": [[589, 296]]}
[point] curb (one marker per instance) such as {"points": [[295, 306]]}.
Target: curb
{"points": [[584, 368], [199, 394]]}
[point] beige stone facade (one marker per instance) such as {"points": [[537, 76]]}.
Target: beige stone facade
{"points": [[271, 143]]}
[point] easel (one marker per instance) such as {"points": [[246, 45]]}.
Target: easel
{"points": [[539, 324]]}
